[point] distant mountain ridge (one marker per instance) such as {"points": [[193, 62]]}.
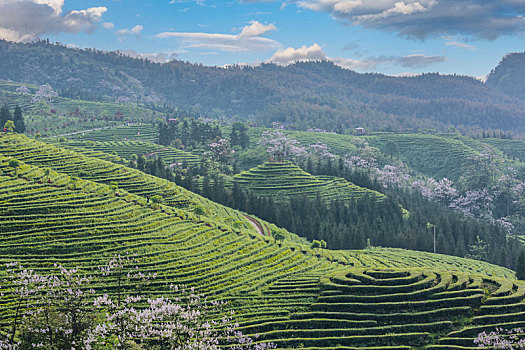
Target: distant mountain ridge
{"points": [[306, 94], [509, 76]]}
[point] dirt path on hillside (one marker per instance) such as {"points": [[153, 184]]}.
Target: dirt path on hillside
{"points": [[256, 224]]}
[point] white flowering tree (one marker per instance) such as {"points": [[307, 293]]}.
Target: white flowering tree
{"points": [[442, 190], [60, 311], [476, 204], [23, 90], [45, 93], [276, 142], [501, 339], [220, 150]]}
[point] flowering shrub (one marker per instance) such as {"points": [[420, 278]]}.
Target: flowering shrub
{"points": [[502, 339]]}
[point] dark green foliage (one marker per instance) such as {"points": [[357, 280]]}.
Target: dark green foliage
{"points": [[18, 119], [189, 133], [391, 149], [15, 164], [520, 266], [141, 163], [239, 135], [509, 76], [5, 115]]}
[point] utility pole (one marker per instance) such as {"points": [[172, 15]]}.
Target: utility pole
{"points": [[434, 239], [429, 225]]}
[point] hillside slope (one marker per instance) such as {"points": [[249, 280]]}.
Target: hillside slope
{"points": [[54, 115], [288, 293], [508, 76], [282, 180], [307, 94]]}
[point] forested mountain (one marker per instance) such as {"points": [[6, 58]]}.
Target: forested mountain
{"points": [[508, 76], [308, 94]]}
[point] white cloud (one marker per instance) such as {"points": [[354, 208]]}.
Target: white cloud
{"points": [[486, 19], [123, 33], [249, 40], [461, 45], [304, 53], [159, 57], [257, 29], [316, 53], [359, 65], [482, 78], [135, 30], [24, 20], [108, 25]]}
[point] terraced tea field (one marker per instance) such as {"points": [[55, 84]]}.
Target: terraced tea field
{"points": [[134, 132], [431, 155], [514, 149], [288, 293], [106, 172], [47, 218], [126, 149], [395, 309], [287, 180]]}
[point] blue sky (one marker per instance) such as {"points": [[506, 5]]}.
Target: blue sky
{"points": [[388, 36]]}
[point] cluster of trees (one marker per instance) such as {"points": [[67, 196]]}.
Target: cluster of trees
{"points": [[16, 117], [153, 166], [305, 94], [188, 133], [438, 203], [239, 136]]}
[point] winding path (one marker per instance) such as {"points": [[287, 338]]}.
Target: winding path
{"points": [[256, 224]]}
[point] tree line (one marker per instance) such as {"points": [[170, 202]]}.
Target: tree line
{"points": [[17, 118]]}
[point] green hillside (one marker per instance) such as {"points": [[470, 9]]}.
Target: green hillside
{"points": [[126, 149], [514, 149], [287, 293], [105, 172], [432, 155], [286, 179], [60, 115], [135, 132]]}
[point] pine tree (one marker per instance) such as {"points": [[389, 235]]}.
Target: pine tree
{"points": [[234, 138], [244, 139], [520, 267], [18, 119], [5, 115]]}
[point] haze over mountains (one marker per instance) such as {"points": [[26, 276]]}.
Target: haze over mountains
{"points": [[305, 94]]}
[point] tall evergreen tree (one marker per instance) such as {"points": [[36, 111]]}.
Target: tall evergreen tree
{"points": [[18, 119], [520, 267], [5, 115]]}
